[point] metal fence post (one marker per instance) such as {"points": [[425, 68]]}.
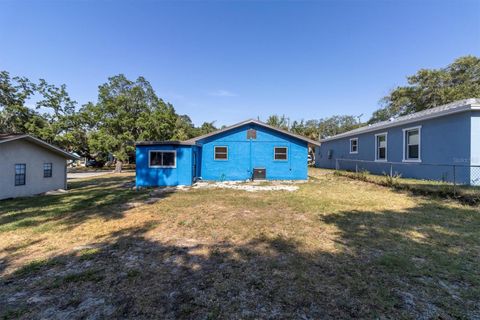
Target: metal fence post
{"points": [[454, 181], [356, 167], [336, 164], [391, 170]]}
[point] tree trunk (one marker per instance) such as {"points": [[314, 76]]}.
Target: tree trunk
{"points": [[118, 166]]}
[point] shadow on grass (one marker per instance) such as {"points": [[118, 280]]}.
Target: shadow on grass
{"points": [[106, 197], [419, 263]]}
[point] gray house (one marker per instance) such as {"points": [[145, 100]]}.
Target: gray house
{"points": [[30, 166], [441, 143]]}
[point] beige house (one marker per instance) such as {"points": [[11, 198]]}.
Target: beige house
{"points": [[30, 166]]}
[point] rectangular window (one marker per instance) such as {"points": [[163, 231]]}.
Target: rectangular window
{"points": [[354, 145], [381, 147], [20, 172], [47, 170], [162, 159], [221, 153], [281, 153], [411, 142]]}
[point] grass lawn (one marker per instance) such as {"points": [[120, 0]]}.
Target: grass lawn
{"points": [[336, 248]]}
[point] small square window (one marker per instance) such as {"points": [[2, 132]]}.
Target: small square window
{"points": [[20, 173], [221, 153], [281, 153], [47, 170]]}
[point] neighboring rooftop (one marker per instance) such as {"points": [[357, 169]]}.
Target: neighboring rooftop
{"points": [[440, 111], [6, 137]]}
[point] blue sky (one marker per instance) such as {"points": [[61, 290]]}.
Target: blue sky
{"points": [[232, 60]]}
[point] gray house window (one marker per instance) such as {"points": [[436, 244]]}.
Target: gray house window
{"points": [[354, 145], [221, 153], [280, 153], [20, 171], [162, 159], [381, 147], [47, 170], [412, 144]]}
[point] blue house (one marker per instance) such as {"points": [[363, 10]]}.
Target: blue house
{"points": [[441, 143], [246, 150]]}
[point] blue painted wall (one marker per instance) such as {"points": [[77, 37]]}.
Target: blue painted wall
{"points": [[152, 177], [444, 140], [245, 154]]}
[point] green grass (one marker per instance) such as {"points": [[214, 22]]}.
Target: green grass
{"points": [[462, 193], [88, 198], [336, 248]]}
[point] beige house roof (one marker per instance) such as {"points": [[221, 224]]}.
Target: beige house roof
{"points": [[20, 136]]}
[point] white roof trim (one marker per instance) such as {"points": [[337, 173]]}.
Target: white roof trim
{"points": [[444, 110], [42, 144]]}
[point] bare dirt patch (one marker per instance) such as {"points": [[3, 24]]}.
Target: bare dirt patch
{"points": [[331, 249]]}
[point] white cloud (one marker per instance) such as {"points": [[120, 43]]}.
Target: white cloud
{"points": [[222, 93]]}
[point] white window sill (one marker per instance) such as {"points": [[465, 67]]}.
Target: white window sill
{"points": [[412, 160], [381, 160], [354, 152]]}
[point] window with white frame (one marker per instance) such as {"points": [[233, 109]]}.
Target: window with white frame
{"points": [[354, 145], [281, 153], [47, 170], [162, 159], [412, 143], [381, 147], [221, 153], [20, 173]]}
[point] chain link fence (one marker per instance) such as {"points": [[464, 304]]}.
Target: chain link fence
{"points": [[457, 176]]}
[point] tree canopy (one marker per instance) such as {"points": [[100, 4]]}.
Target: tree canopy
{"points": [[429, 88], [127, 110]]}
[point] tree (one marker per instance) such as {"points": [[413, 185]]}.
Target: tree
{"points": [[429, 88], [205, 128], [281, 122], [57, 122], [15, 117], [127, 111], [315, 129]]}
